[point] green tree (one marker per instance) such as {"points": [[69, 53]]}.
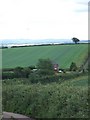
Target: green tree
{"points": [[45, 67], [73, 66], [18, 72], [75, 40], [26, 72]]}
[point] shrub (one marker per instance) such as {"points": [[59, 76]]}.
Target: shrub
{"points": [[45, 67], [73, 67], [8, 75], [46, 101]]}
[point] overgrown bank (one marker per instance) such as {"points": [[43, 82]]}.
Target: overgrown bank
{"points": [[66, 100]]}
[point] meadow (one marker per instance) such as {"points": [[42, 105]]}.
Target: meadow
{"points": [[60, 54]]}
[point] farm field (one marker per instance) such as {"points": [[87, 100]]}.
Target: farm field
{"points": [[61, 95], [65, 100], [61, 54]]}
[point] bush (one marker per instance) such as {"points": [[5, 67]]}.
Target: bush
{"points": [[46, 101], [45, 67], [35, 78], [32, 67], [8, 75], [73, 67], [18, 72]]}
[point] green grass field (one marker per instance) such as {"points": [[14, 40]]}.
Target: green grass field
{"points": [[61, 54]]}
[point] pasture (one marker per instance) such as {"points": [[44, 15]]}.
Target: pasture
{"points": [[28, 56]]}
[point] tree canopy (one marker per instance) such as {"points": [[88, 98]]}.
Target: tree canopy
{"points": [[75, 40], [73, 66], [45, 67]]}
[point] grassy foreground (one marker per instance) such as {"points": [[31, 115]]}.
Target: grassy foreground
{"points": [[61, 54], [55, 100]]}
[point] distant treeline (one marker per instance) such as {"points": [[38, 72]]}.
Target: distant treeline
{"points": [[4, 47]]}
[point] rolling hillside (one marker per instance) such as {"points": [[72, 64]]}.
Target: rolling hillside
{"points": [[61, 54]]}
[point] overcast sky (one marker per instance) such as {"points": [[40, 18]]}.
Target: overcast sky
{"points": [[43, 19]]}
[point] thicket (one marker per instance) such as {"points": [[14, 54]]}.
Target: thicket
{"points": [[44, 73], [18, 72], [73, 67], [45, 101], [34, 77]]}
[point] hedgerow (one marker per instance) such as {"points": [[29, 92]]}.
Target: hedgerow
{"points": [[46, 100]]}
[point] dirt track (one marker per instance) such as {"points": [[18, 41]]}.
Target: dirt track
{"points": [[14, 116]]}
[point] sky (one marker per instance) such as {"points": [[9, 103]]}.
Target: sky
{"points": [[43, 19]]}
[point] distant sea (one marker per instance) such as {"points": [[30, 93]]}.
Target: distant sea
{"points": [[12, 42]]}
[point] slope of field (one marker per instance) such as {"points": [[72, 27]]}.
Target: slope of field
{"points": [[66, 100], [61, 54]]}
